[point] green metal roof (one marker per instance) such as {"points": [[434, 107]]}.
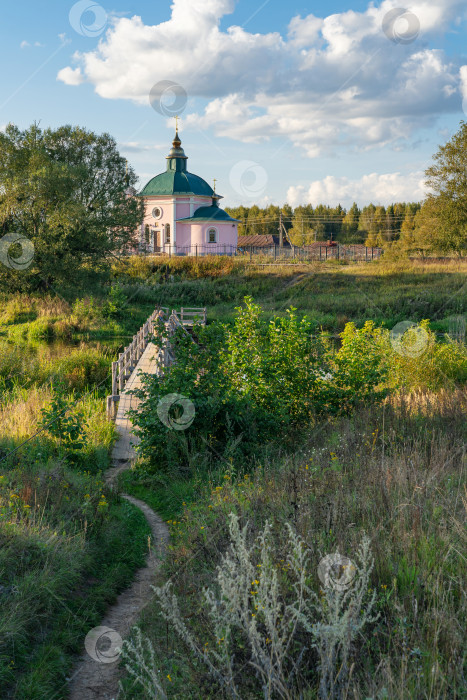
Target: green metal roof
{"points": [[177, 182], [212, 213]]}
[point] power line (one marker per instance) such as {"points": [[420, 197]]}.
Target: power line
{"points": [[321, 219]]}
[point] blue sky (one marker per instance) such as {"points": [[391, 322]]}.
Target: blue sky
{"points": [[299, 102]]}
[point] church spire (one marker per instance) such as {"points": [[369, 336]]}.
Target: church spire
{"points": [[176, 160], [176, 143]]}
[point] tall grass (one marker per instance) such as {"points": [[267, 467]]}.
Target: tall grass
{"points": [[67, 546], [395, 472]]}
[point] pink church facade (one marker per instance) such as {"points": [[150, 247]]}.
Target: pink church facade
{"points": [[182, 213]]}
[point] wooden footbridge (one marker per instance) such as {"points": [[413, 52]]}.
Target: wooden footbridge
{"points": [[142, 356]]}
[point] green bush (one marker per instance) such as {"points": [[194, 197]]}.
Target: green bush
{"points": [[40, 329], [254, 383], [116, 303], [419, 361]]}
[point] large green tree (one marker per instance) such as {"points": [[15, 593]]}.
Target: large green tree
{"points": [[65, 191], [443, 219]]}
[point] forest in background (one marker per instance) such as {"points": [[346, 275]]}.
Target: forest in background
{"points": [[372, 225], [436, 226]]}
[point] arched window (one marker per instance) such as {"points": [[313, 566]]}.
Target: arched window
{"points": [[167, 233], [212, 235]]}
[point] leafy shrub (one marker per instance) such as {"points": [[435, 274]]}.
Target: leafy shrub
{"points": [[86, 308], [64, 425], [421, 362], [116, 303], [256, 382]]}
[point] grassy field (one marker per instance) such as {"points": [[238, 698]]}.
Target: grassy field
{"points": [[394, 470], [329, 294]]}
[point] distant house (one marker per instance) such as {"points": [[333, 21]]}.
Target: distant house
{"points": [[261, 241]]}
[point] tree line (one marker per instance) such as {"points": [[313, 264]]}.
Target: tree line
{"points": [[373, 225], [438, 225]]}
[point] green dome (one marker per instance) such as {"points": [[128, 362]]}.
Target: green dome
{"points": [[176, 182], [176, 179]]}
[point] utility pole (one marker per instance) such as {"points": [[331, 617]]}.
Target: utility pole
{"points": [[281, 240]]}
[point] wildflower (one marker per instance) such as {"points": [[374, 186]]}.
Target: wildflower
{"points": [[168, 676]]}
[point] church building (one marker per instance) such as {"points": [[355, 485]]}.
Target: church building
{"points": [[182, 213]]}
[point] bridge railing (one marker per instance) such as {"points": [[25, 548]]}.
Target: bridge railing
{"points": [[188, 315], [127, 362]]}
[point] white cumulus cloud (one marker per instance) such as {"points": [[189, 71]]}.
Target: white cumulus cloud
{"points": [[70, 76], [329, 83], [379, 189]]}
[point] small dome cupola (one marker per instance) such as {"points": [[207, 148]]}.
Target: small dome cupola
{"points": [[176, 179], [176, 160]]}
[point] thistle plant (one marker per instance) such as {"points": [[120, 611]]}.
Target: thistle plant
{"points": [[140, 662], [335, 619], [267, 611]]}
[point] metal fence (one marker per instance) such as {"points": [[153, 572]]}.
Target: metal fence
{"points": [[319, 252], [275, 253]]}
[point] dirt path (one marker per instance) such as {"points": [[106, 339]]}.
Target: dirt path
{"points": [[95, 680], [91, 679]]}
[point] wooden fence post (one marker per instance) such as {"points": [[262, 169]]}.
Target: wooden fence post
{"points": [[114, 378]]}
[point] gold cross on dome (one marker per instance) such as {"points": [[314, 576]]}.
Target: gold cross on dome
{"points": [[176, 122], [215, 184]]}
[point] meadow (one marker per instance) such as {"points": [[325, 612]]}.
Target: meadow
{"points": [[330, 294], [382, 454], [68, 544]]}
